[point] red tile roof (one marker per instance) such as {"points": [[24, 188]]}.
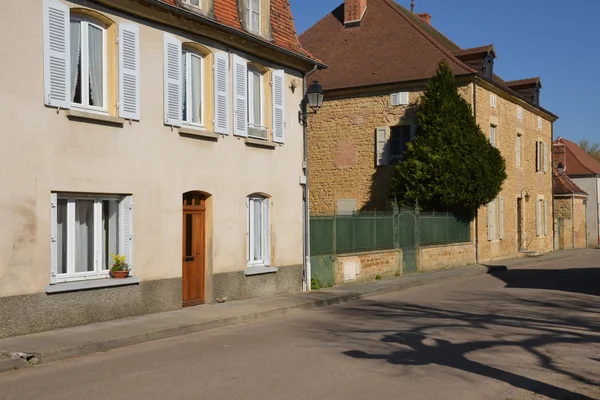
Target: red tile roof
{"points": [[381, 50], [524, 83], [391, 45], [475, 50], [562, 184], [576, 161], [282, 23]]}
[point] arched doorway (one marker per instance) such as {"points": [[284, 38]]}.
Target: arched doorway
{"points": [[194, 249]]}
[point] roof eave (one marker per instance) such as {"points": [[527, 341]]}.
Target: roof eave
{"points": [[226, 28]]}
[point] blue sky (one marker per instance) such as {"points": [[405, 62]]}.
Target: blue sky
{"points": [[557, 40]]}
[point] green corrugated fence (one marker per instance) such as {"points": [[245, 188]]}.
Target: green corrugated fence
{"points": [[366, 231]]}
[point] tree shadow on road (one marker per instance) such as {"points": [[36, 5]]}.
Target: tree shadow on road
{"points": [[574, 280], [448, 333]]}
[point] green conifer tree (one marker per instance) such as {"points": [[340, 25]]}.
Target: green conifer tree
{"points": [[450, 165]]}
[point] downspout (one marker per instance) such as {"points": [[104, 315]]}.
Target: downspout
{"points": [[587, 242], [476, 210], [573, 220], [554, 237], [307, 273]]}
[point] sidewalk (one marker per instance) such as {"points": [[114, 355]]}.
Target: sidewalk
{"points": [[21, 351]]}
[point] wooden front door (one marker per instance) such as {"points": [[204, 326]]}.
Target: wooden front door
{"points": [[193, 249]]}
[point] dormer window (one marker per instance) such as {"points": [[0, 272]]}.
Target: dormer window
{"points": [[535, 96], [253, 16], [488, 67], [194, 3]]}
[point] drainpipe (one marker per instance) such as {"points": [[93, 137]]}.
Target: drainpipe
{"points": [[476, 210], [587, 243], [573, 220], [552, 186], [305, 211]]}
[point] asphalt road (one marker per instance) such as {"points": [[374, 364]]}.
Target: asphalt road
{"points": [[528, 333]]}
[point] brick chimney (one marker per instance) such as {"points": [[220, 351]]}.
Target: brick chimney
{"points": [[558, 153], [354, 10], [425, 17]]}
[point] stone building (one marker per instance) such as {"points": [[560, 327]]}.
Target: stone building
{"points": [[570, 204], [163, 130], [380, 56], [585, 173]]}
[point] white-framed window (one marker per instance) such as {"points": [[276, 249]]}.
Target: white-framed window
{"points": [[493, 100], [194, 3], [518, 148], [88, 65], [519, 113], [192, 88], [259, 231], [253, 15], [493, 135], [256, 126], [85, 231]]}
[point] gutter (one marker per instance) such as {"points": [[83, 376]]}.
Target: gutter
{"points": [[307, 271], [249, 37], [552, 188], [573, 220]]}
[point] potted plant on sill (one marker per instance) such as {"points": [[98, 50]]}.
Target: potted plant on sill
{"points": [[119, 269]]}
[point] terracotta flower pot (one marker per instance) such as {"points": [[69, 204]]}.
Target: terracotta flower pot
{"points": [[119, 274]]}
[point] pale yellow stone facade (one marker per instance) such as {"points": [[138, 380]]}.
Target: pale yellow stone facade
{"points": [[570, 222], [342, 160]]}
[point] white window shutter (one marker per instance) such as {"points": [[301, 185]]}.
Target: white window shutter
{"points": [[126, 234], [537, 156], [221, 71], [501, 217], [539, 123], [381, 146], [267, 231], [518, 155], [172, 79], [278, 106], [493, 101], [519, 113], [403, 98], [545, 157], [240, 96], [129, 71], [395, 99], [490, 216], [545, 217], [57, 60], [53, 238], [538, 219]]}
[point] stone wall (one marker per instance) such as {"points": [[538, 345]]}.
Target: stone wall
{"points": [[367, 266], [342, 159], [432, 258], [571, 213], [521, 179]]}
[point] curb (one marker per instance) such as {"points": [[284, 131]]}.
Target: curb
{"points": [[63, 353], [336, 296]]}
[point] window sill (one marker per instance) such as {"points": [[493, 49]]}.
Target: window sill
{"points": [[91, 117], [259, 270], [198, 134], [260, 143], [91, 284]]}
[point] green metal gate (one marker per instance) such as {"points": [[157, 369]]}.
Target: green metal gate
{"points": [[407, 237]]}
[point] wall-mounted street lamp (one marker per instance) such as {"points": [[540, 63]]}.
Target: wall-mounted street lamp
{"points": [[314, 99], [526, 196]]}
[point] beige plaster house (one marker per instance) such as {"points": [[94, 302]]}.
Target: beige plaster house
{"points": [[369, 115], [163, 130]]}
